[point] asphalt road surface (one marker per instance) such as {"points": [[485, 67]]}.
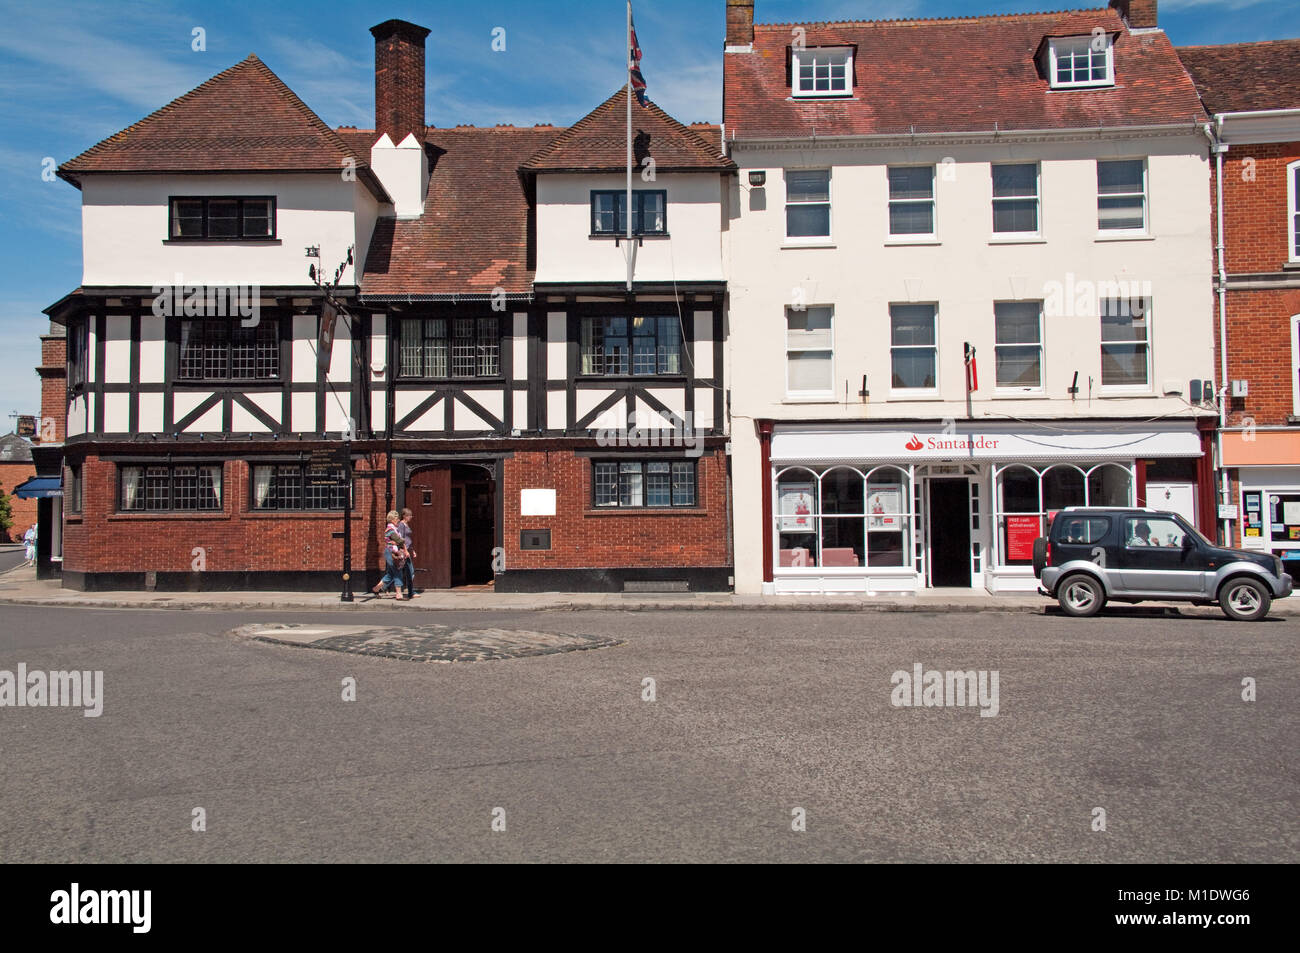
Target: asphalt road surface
{"points": [[755, 715], [11, 556]]}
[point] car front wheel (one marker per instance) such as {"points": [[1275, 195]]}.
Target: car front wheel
{"points": [[1080, 595], [1245, 600]]}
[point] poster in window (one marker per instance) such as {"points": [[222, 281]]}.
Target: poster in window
{"points": [[884, 504], [1291, 512], [1021, 533], [796, 508]]}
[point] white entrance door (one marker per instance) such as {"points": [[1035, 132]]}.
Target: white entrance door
{"points": [[1180, 498]]}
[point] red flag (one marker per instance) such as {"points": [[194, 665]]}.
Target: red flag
{"points": [[972, 371]]}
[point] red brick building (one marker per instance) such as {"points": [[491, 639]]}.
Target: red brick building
{"points": [[16, 468], [469, 342], [1252, 91]]}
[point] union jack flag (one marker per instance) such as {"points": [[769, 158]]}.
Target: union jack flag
{"points": [[634, 60]]}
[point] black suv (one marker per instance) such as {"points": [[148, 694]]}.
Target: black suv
{"points": [[1092, 555]]}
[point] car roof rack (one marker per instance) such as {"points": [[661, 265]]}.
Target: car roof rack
{"points": [[1124, 509]]}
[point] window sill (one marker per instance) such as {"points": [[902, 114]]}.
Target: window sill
{"points": [[637, 511], [811, 399], [298, 514], [498, 379], [919, 240], [604, 236], [901, 395], [793, 244], [165, 515], [222, 241], [631, 378], [1018, 240], [73, 519], [1018, 394], [797, 97], [1293, 265], [231, 382], [1125, 237], [1104, 393]]}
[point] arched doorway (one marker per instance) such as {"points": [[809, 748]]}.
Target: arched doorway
{"points": [[454, 523]]}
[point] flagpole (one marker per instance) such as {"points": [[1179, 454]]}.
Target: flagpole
{"points": [[628, 208]]}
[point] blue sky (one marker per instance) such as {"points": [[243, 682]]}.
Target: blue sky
{"points": [[74, 72]]}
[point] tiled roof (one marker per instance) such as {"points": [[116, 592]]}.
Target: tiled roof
{"points": [[1244, 77], [598, 142], [241, 120], [473, 235], [962, 74], [14, 449]]}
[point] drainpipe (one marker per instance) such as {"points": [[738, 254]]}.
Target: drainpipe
{"points": [[1214, 132]]}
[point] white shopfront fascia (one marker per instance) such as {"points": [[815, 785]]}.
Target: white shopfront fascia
{"points": [[985, 451], [901, 447]]}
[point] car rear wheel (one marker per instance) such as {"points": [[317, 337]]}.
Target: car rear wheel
{"points": [[1245, 600], [1080, 595]]}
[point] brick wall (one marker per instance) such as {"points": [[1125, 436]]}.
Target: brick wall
{"points": [[1255, 206], [54, 387], [23, 511], [1259, 321], [1259, 351], [102, 540], [583, 537]]}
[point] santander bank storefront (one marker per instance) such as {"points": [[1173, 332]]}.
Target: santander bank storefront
{"points": [[887, 509]]}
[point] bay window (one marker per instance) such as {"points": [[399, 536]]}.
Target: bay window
{"points": [[843, 517]]}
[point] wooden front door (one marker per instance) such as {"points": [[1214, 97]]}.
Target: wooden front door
{"points": [[429, 497]]}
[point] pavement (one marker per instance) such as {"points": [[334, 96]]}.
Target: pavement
{"points": [[20, 587]]}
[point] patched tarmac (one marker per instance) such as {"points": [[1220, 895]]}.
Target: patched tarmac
{"points": [[424, 643]]}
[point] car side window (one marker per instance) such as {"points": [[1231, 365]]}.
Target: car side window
{"points": [[1153, 531], [1083, 530]]}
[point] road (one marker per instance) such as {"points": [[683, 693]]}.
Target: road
{"points": [[11, 556], [756, 714]]}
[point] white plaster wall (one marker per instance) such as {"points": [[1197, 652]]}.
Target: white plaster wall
{"points": [[860, 273], [124, 230], [567, 252]]}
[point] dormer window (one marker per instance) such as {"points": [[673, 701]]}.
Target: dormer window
{"points": [[1080, 61], [822, 72]]}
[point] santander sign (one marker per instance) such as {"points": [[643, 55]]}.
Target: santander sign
{"points": [[959, 443]]}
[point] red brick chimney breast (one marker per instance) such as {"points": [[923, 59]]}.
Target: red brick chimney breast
{"points": [[399, 79], [740, 22], [1136, 13]]}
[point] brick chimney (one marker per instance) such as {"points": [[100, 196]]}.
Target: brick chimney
{"points": [[740, 23], [53, 371], [1138, 14], [399, 79]]}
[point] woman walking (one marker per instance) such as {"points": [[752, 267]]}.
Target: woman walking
{"points": [[394, 548], [404, 527]]}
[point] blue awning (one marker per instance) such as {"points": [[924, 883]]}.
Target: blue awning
{"points": [[39, 488]]}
